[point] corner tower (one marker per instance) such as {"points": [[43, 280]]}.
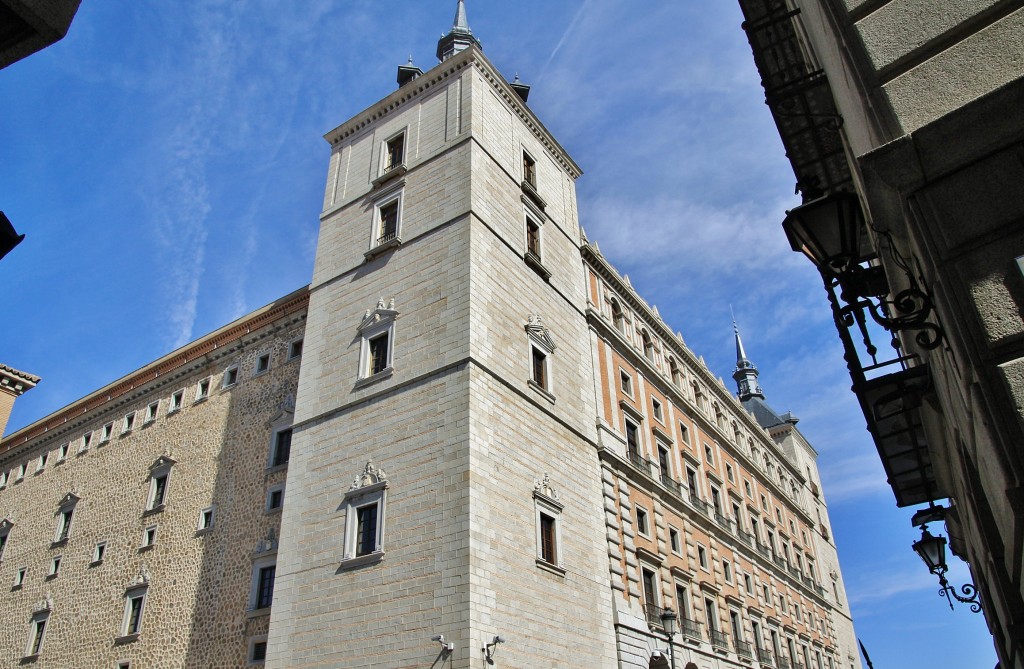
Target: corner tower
{"points": [[443, 476]]}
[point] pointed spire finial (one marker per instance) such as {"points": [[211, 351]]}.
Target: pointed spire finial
{"points": [[459, 38], [745, 373]]}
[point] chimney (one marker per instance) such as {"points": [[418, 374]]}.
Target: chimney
{"points": [[12, 385]]}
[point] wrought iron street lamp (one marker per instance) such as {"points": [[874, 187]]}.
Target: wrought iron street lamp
{"points": [[830, 231], [668, 622], [932, 550]]}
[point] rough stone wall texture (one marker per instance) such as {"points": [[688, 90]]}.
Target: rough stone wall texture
{"points": [[198, 594]]}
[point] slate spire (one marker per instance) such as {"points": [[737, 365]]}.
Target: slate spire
{"points": [[459, 38], [746, 373]]}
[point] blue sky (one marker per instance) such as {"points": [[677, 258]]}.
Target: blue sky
{"points": [[166, 161]]}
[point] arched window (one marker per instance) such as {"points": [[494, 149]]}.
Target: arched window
{"points": [[618, 320], [648, 345], [677, 377]]}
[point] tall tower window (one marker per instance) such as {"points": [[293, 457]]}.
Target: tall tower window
{"points": [[388, 222], [532, 237], [394, 151], [529, 170], [377, 332]]}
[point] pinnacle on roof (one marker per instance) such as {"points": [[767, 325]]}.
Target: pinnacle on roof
{"points": [[459, 38], [746, 373]]}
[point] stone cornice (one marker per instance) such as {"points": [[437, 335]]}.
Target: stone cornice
{"points": [[189, 357], [16, 382], [472, 56]]}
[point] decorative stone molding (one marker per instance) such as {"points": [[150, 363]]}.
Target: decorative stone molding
{"points": [[542, 487], [370, 475], [163, 462], [43, 605], [69, 499], [140, 580], [268, 544], [382, 314], [539, 333]]}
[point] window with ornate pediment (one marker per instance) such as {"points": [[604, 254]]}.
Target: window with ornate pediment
{"points": [[65, 515], [134, 607], [37, 628], [159, 480], [548, 509], [542, 346], [280, 449], [364, 508], [377, 341]]}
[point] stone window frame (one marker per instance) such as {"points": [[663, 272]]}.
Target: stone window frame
{"points": [[546, 504], [281, 424], [106, 432], [250, 654], [540, 349], [152, 410], [65, 519], [658, 410], [268, 507], [128, 423], [387, 165], [262, 562], [675, 541], [262, 364], [38, 625], [294, 349], [703, 561], [99, 552], [5, 534], [380, 239], [156, 496], [62, 452], [4, 475], [377, 323], [131, 622], [41, 461], [207, 519], [55, 563], [203, 389], [229, 378], [148, 538], [176, 402], [534, 220], [626, 383], [369, 488], [19, 578], [643, 521]]}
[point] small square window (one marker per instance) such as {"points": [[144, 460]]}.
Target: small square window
{"points": [[205, 519], [177, 399], [149, 536], [626, 383], [657, 411], [262, 364], [258, 652], [202, 390], [62, 453], [230, 376], [105, 433], [151, 411], [641, 521], [99, 551], [275, 498], [295, 349]]}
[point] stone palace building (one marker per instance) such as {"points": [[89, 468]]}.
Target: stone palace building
{"points": [[467, 443]]}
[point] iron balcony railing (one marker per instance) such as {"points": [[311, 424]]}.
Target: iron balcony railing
{"points": [[763, 550], [743, 649], [689, 628], [386, 237], [722, 520], [783, 662], [719, 639], [699, 504], [639, 461], [748, 539], [674, 486], [764, 656], [653, 614], [779, 560]]}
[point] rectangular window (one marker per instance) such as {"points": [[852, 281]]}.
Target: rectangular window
{"points": [[282, 450], [275, 498], [36, 634], [19, 577], [41, 464], [378, 354], [206, 518], [149, 536], [151, 411], [158, 491], [133, 608], [98, 552], [3, 544], [64, 524], [366, 529], [105, 433], [258, 652], [230, 377], [684, 433], [709, 455], [727, 571], [394, 151], [262, 364], [650, 584], [702, 557], [86, 442], [729, 473], [632, 439], [539, 372], [641, 521], [295, 349], [748, 584], [265, 586], [548, 545], [387, 222], [657, 410], [202, 389], [128, 424], [626, 383], [673, 537], [533, 237], [54, 566], [529, 170], [62, 453], [747, 489], [176, 400]]}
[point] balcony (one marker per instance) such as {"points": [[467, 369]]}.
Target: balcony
{"points": [[674, 486], [653, 614], [765, 657], [699, 504], [763, 550], [748, 539], [690, 629], [723, 520], [783, 662], [719, 640], [639, 461], [743, 649]]}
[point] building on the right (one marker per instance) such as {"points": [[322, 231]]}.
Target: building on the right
{"points": [[903, 123]]}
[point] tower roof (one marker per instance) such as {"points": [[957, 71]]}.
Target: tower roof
{"points": [[745, 373], [459, 38]]}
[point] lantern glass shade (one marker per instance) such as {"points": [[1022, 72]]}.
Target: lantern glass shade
{"points": [[932, 550], [830, 231], [668, 621]]}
